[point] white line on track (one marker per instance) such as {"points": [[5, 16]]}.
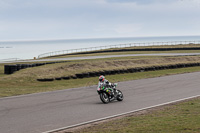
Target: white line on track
{"points": [[109, 117]]}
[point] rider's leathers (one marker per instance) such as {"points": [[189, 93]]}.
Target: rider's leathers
{"points": [[107, 85]]}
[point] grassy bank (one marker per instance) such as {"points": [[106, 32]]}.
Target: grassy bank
{"points": [[25, 80], [179, 118], [82, 66], [29, 85]]}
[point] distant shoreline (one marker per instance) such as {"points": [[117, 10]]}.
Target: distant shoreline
{"points": [[85, 39], [6, 47]]}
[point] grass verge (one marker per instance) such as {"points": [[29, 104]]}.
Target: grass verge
{"points": [[182, 117]]}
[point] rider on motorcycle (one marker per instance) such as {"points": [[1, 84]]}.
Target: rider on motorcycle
{"points": [[110, 86]]}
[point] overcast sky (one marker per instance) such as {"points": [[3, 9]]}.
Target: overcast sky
{"points": [[73, 19]]}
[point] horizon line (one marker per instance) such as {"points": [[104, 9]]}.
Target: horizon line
{"points": [[62, 39]]}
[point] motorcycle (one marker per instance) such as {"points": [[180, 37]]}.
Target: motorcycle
{"points": [[107, 95]]}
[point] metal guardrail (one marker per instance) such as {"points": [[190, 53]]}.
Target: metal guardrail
{"points": [[10, 59], [49, 54]]}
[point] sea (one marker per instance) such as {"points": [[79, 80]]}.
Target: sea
{"points": [[16, 50]]}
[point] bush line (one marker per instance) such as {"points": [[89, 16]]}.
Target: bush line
{"points": [[121, 71]]}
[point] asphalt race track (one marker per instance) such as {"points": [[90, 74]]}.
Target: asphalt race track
{"points": [[36, 113], [100, 57]]}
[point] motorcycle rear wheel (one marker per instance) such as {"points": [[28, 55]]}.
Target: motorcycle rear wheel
{"points": [[104, 97]]}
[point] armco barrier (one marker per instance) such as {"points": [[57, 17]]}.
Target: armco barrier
{"points": [[101, 73], [86, 75], [123, 47], [97, 73], [126, 50], [80, 75], [107, 72], [126, 71], [136, 69], [130, 70], [13, 68], [92, 74], [65, 78], [58, 78], [18, 67], [9, 69], [121, 71], [23, 66], [46, 79], [73, 77]]}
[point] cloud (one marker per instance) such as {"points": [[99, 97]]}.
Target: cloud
{"points": [[118, 30], [37, 19], [127, 28]]}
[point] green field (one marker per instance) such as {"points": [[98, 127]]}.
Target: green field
{"points": [[182, 117], [24, 83]]}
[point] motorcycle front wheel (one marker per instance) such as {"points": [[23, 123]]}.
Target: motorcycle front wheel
{"points": [[120, 96], [104, 97]]}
